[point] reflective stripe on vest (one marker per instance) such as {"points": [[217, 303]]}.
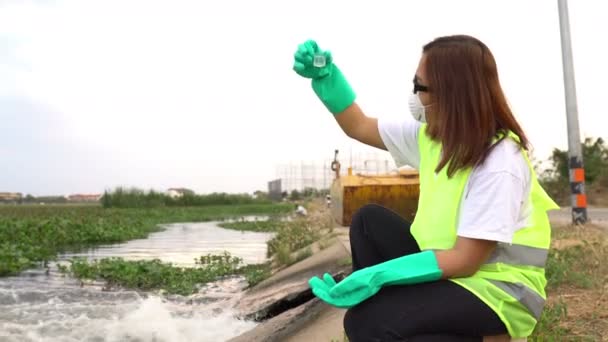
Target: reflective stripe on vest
{"points": [[519, 255], [528, 298]]}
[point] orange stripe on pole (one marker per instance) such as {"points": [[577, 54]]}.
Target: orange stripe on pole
{"points": [[578, 175], [581, 201]]}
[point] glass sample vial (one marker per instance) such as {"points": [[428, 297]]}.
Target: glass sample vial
{"points": [[318, 61]]}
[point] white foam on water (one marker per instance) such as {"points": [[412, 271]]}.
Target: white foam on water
{"points": [[152, 321], [149, 319]]}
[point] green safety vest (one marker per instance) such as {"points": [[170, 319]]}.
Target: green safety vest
{"points": [[512, 281]]}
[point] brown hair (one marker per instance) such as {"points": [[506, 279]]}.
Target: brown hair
{"points": [[469, 107]]}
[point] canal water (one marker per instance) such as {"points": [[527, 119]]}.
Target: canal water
{"points": [[44, 305]]}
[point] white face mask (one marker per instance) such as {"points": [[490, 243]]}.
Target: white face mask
{"points": [[417, 108]]}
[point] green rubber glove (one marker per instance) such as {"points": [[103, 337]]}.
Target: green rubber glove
{"points": [[328, 82], [364, 283], [321, 289]]}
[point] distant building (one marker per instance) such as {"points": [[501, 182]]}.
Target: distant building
{"points": [[10, 196], [274, 190], [178, 192], [84, 198]]}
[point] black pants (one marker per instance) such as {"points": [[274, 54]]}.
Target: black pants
{"points": [[434, 311]]}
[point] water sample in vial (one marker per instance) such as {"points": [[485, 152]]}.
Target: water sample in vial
{"points": [[318, 61]]}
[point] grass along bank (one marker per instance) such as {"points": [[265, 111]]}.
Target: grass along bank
{"points": [[577, 274], [30, 235], [290, 237], [293, 237]]}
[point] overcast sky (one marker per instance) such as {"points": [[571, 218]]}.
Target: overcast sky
{"points": [[201, 94]]}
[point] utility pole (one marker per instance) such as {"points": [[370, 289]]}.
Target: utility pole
{"points": [[578, 198]]}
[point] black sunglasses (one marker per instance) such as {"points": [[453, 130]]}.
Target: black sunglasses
{"points": [[419, 87]]}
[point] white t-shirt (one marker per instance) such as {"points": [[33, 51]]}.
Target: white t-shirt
{"points": [[495, 199]]}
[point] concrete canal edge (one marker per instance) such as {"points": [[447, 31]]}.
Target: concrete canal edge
{"points": [[284, 304]]}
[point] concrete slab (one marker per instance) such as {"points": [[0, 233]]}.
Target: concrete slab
{"points": [[326, 326], [312, 321], [291, 284], [279, 327]]}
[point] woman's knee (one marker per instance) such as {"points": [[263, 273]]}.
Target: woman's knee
{"points": [[365, 214], [355, 325], [359, 327]]}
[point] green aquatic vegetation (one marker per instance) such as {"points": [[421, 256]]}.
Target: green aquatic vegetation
{"points": [[256, 273], [148, 275], [30, 234], [270, 225]]}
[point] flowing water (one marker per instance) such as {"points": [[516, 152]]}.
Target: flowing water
{"points": [[44, 305]]}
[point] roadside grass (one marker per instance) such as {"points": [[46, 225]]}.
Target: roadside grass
{"points": [[577, 276]]}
